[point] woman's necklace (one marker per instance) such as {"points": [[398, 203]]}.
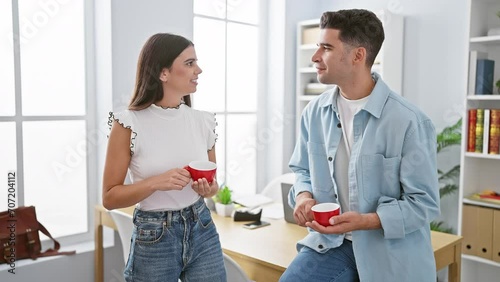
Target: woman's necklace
{"points": [[176, 107]]}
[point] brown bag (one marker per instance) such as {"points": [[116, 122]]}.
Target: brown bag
{"points": [[19, 237]]}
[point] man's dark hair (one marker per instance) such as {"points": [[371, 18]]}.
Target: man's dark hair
{"points": [[358, 28]]}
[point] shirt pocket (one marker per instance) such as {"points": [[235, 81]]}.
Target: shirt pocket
{"points": [[380, 176], [321, 179]]}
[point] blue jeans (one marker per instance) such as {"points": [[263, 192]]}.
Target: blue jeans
{"points": [[169, 245], [336, 265]]}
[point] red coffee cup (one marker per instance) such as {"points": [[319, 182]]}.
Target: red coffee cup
{"points": [[324, 211], [202, 169]]}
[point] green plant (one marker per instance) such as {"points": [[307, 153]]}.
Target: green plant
{"points": [[448, 181], [224, 195], [497, 84]]}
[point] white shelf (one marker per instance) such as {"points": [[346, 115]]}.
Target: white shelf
{"points": [[307, 70], [307, 97], [486, 39], [482, 156], [484, 97], [480, 203], [481, 260], [479, 171], [308, 47]]}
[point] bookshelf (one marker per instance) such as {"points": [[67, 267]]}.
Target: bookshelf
{"points": [[479, 221], [389, 67], [307, 37]]}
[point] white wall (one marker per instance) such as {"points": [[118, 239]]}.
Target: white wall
{"points": [[133, 22], [282, 19]]}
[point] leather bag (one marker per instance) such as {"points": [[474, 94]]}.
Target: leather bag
{"points": [[19, 238]]}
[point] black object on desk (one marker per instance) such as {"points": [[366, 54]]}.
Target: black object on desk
{"points": [[247, 215]]}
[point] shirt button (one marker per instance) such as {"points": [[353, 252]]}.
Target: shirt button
{"points": [[330, 159], [339, 125], [320, 246]]}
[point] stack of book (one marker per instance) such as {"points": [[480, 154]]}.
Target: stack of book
{"points": [[483, 131], [486, 196]]}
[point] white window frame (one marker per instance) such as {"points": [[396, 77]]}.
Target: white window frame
{"points": [[261, 168], [89, 118]]}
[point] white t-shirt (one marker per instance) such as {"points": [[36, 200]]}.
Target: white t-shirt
{"points": [[347, 111], [163, 139]]}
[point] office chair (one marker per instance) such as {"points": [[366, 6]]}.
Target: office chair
{"points": [[123, 222], [125, 227], [273, 188], [233, 270]]}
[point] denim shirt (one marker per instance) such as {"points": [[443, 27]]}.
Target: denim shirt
{"points": [[392, 171]]}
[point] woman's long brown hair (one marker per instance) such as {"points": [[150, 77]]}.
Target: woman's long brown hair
{"points": [[159, 52]]}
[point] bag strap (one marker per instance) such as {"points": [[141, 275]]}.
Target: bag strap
{"points": [[55, 251], [31, 242]]}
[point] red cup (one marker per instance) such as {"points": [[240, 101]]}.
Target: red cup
{"points": [[202, 169], [324, 211]]}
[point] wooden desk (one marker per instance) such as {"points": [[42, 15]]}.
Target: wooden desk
{"points": [[266, 252], [263, 253], [448, 252], [102, 218]]}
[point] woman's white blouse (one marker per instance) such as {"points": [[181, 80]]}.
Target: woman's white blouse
{"points": [[163, 139]]}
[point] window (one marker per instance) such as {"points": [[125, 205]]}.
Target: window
{"points": [[226, 38], [43, 114]]}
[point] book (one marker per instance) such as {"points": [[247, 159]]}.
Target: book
{"points": [[484, 76], [482, 198], [479, 131], [486, 131], [472, 117], [494, 132], [473, 57]]}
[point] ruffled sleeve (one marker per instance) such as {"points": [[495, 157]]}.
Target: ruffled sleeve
{"points": [[211, 123], [124, 118]]}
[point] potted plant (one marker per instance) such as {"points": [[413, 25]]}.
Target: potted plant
{"points": [[496, 30], [497, 84], [224, 205], [448, 180]]}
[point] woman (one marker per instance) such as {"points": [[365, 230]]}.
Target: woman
{"points": [[174, 236]]}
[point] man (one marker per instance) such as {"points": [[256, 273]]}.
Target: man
{"points": [[365, 147]]}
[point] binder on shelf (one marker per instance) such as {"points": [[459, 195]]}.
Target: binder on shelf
{"points": [[469, 230], [473, 57], [310, 35], [484, 232], [496, 236], [471, 140], [484, 76]]}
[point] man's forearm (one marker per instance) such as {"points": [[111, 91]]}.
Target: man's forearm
{"points": [[371, 221]]}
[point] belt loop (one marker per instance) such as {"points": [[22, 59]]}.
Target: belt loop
{"points": [[169, 219], [195, 213]]}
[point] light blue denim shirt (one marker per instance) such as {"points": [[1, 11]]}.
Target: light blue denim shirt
{"points": [[392, 171]]}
